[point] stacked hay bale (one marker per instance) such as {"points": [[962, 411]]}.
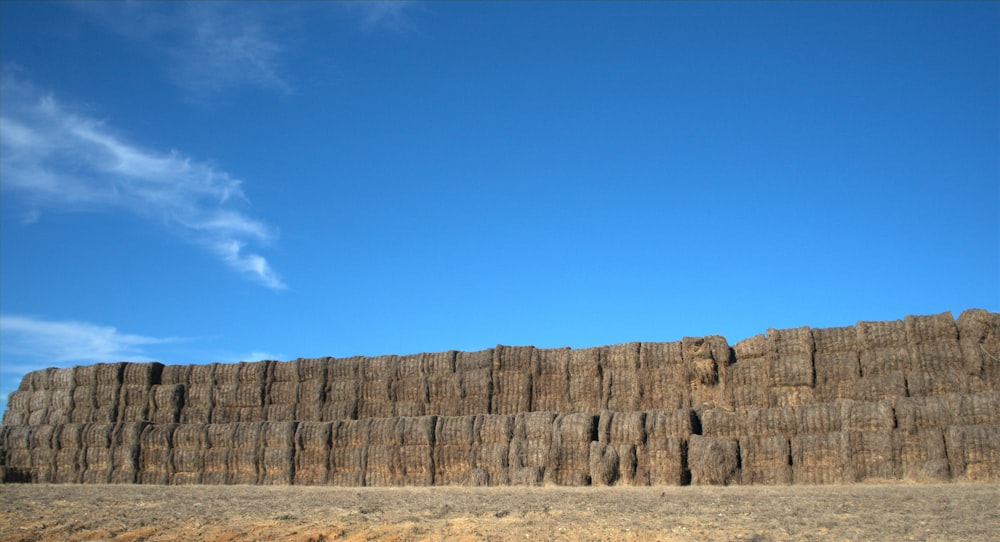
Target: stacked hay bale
{"points": [[95, 456], [936, 363], [706, 361], [530, 443], [126, 447], [441, 391], [238, 395], [277, 464], [663, 460], [349, 452], [108, 378], [837, 364], [18, 406], [344, 389], [167, 401], [244, 458], [188, 453], [156, 459], [791, 372], [219, 443], [622, 383], [84, 394], [200, 393], [713, 461], [383, 451], [884, 357], [663, 377], [69, 443], [410, 387], [281, 394], [416, 451], [749, 377], [974, 452], [454, 454], [312, 389], [473, 383], [62, 383], [513, 369], [491, 449], [550, 383], [868, 428], [377, 399], [137, 381], [585, 389], [979, 339], [312, 453], [614, 457], [569, 454], [16, 455]]}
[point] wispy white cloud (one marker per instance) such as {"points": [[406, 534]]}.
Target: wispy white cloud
{"points": [[59, 159], [207, 47], [393, 14], [61, 342]]}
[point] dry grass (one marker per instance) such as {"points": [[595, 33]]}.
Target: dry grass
{"points": [[871, 512]]}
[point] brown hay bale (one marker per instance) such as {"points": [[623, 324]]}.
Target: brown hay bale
{"points": [[817, 419], [190, 436], [96, 435], [749, 384], [665, 424], [550, 385], [475, 391], [791, 356], [979, 409], [622, 427], [713, 461], [923, 455], [765, 460], [19, 401], [492, 446], [416, 462], [156, 462], [86, 375], [765, 422], [141, 374], [245, 456], [125, 451], [979, 340], [175, 374], [882, 347], [384, 444], [586, 381], [874, 417], [188, 464], [885, 387], [916, 413], [313, 368], [280, 413], [474, 361], [41, 380], [974, 452], [206, 374], [109, 374], [84, 398], [255, 373], [820, 459], [39, 400], [238, 396], [663, 460], [937, 364], [410, 388], [664, 380], [285, 371], [530, 446], [167, 402], [527, 476], [106, 395], [376, 399], [312, 396], [63, 379], [512, 379], [836, 361], [348, 453], [219, 441], [569, 454], [622, 380], [604, 464], [312, 453], [871, 456], [38, 417], [282, 393], [96, 465]]}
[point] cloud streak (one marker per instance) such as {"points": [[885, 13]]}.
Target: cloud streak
{"points": [[58, 159]]}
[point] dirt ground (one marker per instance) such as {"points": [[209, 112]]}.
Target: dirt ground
{"points": [[230, 513]]}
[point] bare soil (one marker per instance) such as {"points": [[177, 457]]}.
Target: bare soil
{"points": [[230, 513]]}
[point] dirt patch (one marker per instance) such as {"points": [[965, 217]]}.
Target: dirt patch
{"points": [[231, 513]]}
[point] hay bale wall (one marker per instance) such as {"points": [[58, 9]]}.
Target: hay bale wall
{"points": [[914, 399]]}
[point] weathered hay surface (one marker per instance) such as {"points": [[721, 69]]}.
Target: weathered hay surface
{"points": [[312, 453], [713, 461]]}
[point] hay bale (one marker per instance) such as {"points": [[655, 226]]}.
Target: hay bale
{"points": [[278, 461], [770, 421], [40, 380], [280, 413], [125, 452], [312, 453], [156, 462], [820, 459], [410, 388], [96, 465], [349, 452], [817, 419], [84, 401], [384, 444], [492, 446], [245, 456], [569, 453], [585, 389], [416, 443], [979, 409], [206, 374], [917, 413], [719, 422], [18, 404], [622, 378], [979, 340], [63, 379], [513, 367], [175, 374], [550, 385], [167, 402], [343, 398], [188, 453], [219, 441], [765, 460], [141, 374], [870, 417], [109, 374], [883, 349], [885, 387], [836, 362], [871, 456], [749, 384], [974, 452], [664, 382], [937, 364], [713, 461], [604, 464], [38, 417], [529, 447], [923, 457], [790, 352], [663, 459], [312, 396]]}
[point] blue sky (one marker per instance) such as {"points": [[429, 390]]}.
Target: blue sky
{"points": [[208, 182]]}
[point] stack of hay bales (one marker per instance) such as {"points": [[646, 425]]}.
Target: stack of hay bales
{"points": [[137, 380], [126, 448], [454, 449], [416, 451], [441, 385], [277, 464], [239, 392], [706, 363], [410, 387], [188, 453], [69, 443], [84, 394], [622, 383], [383, 451], [473, 384], [663, 383], [167, 402], [791, 372], [614, 457], [312, 453], [312, 389], [569, 454], [199, 393], [377, 398], [244, 458], [219, 442], [62, 383], [345, 388], [95, 456], [936, 363], [156, 458], [663, 460], [530, 443], [513, 369], [837, 364], [491, 449], [884, 356], [749, 377], [281, 395], [586, 381], [349, 452], [550, 383]]}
